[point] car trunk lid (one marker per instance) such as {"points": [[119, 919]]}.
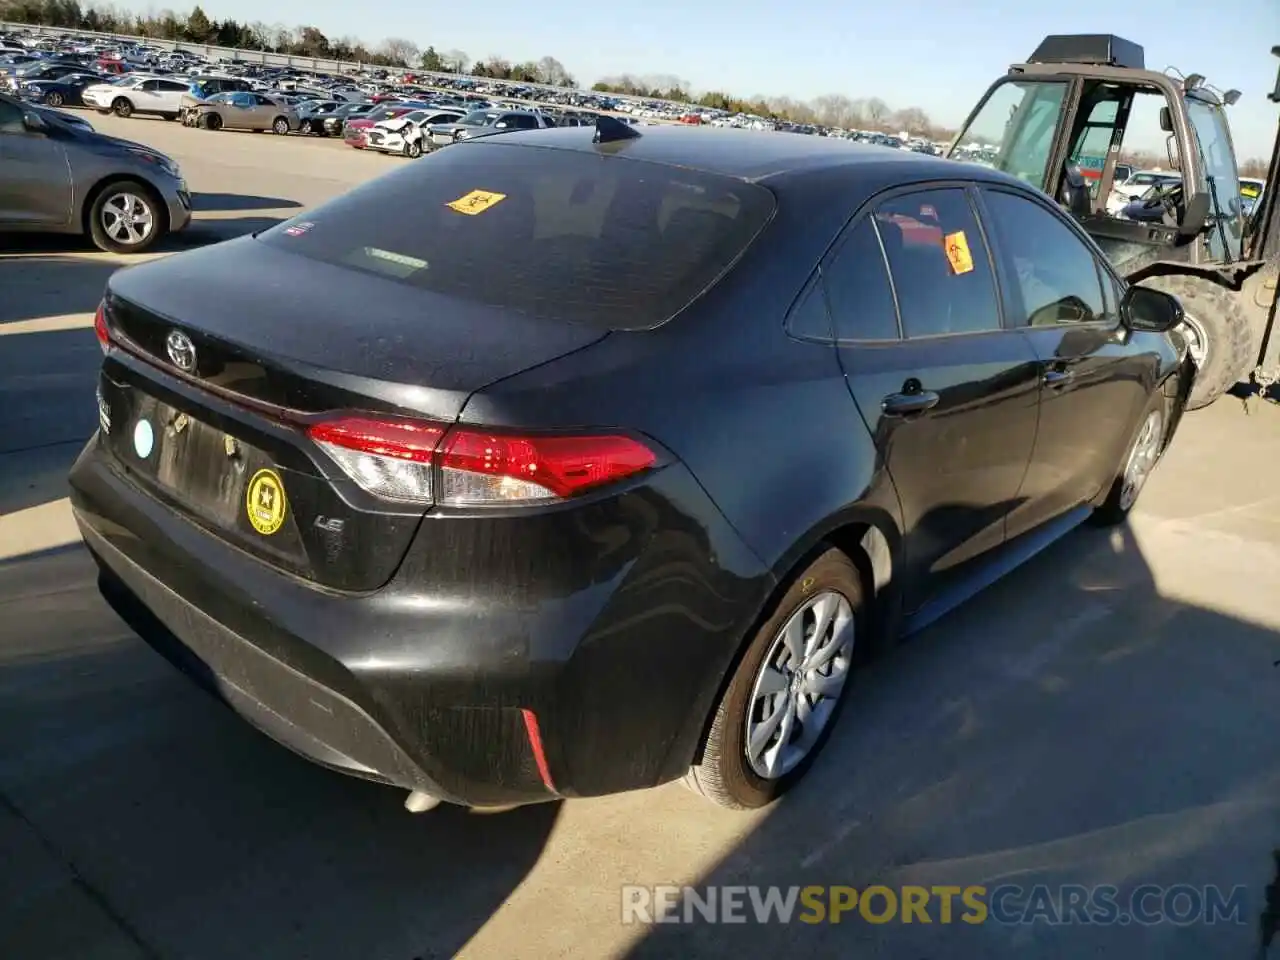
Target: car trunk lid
{"points": [[271, 357]]}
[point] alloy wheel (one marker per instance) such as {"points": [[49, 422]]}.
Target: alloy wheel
{"points": [[128, 219], [1142, 458]]}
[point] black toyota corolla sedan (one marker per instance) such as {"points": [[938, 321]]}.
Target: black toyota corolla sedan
{"points": [[556, 464]]}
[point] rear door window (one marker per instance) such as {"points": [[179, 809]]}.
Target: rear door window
{"points": [[609, 241], [939, 263]]}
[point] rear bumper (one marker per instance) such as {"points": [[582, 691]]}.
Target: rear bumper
{"points": [[478, 693]]}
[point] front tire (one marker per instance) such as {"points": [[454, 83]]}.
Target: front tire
{"points": [[1218, 331], [125, 218], [1140, 459], [413, 150], [211, 121], [53, 98], [122, 108], [786, 692]]}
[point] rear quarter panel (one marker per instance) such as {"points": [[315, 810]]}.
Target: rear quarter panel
{"points": [[764, 422]]}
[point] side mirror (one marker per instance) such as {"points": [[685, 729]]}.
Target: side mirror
{"points": [[34, 123], [1171, 149], [1166, 120], [1150, 311]]}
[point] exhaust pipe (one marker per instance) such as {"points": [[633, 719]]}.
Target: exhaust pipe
{"points": [[419, 802]]}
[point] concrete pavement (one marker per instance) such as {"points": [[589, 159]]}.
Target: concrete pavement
{"points": [[1107, 714]]}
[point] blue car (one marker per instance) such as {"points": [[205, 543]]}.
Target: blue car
{"points": [[63, 92]]}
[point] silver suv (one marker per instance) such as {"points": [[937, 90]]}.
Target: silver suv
{"points": [[59, 177]]}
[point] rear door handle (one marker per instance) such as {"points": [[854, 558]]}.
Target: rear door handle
{"points": [[909, 404], [1057, 378]]}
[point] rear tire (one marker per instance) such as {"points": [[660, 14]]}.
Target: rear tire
{"points": [[122, 108], [280, 125], [1219, 330], [771, 680]]}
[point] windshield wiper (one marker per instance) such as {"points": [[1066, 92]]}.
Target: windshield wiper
{"points": [[1218, 217]]}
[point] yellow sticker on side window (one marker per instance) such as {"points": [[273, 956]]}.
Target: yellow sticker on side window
{"points": [[477, 201], [958, 255]]}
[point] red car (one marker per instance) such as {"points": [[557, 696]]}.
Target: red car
{"points": [[355, 131]]}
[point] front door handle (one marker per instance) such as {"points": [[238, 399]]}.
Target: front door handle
{"points": [[908, 404], [1057, 378]]}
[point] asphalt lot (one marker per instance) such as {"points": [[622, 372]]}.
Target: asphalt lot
{"points": [[1106, 715]]}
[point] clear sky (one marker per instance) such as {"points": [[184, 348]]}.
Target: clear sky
{"points": [[934, 54]]}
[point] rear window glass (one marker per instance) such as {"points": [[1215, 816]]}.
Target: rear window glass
{"points": [[561, 234]]}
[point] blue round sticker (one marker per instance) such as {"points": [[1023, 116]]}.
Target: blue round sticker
{"points": [[144, 439]]}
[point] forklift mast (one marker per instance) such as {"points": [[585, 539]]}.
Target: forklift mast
{"points": [[1266, 242], [1265, 246]]}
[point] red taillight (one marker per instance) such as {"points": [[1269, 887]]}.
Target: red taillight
{"points": [[479, 467], [100, 327], [397, 459], [388, 457]]}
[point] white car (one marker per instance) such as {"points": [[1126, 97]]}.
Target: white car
{"points": [[1123, 194], [405, 134], [138, 94]]}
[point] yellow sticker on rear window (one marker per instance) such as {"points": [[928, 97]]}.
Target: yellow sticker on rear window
{"points": [[477, 201], [265, 502], [958, 255]]}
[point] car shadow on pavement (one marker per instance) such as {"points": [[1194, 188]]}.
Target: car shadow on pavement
{"points": [[186, 833], [1072, 726], [201, 202]]}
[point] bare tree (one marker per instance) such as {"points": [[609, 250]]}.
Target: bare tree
{"points": [[833, 110], [552, 71], [876, 111], [457, 61], [400, 51], [913, 120], [260, 35]]}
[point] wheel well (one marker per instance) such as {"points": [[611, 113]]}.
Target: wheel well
{"points": [[849, 540], [92, 197]]}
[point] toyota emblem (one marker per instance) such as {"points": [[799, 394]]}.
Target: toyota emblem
{"points": [[181, 351]]}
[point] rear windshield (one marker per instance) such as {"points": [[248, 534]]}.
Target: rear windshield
{"points": [[560, 234]]}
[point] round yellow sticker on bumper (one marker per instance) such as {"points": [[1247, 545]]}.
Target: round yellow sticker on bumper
{"points": [[265, 502]]}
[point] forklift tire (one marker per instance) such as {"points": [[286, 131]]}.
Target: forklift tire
{"points": [[1219, 322]]}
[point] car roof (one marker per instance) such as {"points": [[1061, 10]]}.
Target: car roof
{"points": [[757, 155]]}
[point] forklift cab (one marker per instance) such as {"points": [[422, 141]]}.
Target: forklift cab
{"points": [[1058, 122]]}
